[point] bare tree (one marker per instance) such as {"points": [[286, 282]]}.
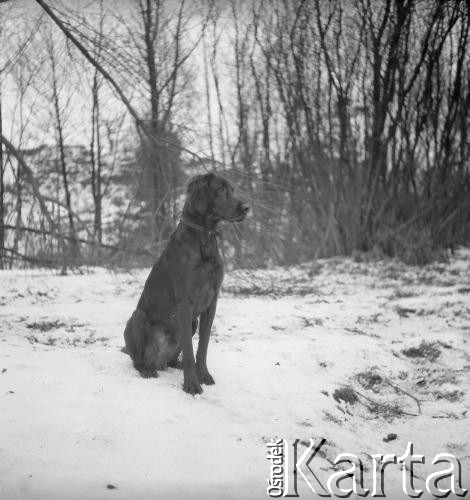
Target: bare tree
{"points": [[95, 141], [59, 117]]}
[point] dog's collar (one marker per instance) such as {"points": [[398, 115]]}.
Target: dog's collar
{"points": [[193, 225]]}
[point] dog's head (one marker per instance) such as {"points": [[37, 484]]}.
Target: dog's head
{"points": [[212, 195]]}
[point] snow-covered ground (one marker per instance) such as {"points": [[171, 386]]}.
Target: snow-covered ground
{"points": [[350, 352]]}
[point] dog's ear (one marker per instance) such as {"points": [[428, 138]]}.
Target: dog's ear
{"points": [[199, 192]]}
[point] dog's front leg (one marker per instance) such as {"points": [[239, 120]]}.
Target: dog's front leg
{"points": [[191, 383], [207, 317]]}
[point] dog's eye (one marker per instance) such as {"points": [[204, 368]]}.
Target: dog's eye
{"points": [[222, 189]]}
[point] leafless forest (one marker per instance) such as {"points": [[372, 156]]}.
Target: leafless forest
{"points": [[344, 123]]}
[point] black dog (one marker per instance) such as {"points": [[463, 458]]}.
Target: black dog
{"points": [[183, 286]]}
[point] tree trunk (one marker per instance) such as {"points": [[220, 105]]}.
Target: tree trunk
{"points": [[62, 160], [2, 193], [96, 164]]}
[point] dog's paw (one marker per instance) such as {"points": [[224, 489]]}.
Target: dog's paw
{"points": [[205, 377], [191, 385], [148, 372]]}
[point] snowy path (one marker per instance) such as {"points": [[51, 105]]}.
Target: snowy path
{"points": [[75, 417]]}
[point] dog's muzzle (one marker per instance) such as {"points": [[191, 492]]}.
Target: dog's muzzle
{"points": [[242, 210]]}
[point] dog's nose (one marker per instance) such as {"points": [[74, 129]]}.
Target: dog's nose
{"points": [[243, 207]]}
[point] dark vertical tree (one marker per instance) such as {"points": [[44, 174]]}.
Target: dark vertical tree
{"points": [[2, 191]]}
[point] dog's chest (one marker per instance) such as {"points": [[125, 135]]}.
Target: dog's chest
{"points": [[208, 277]]}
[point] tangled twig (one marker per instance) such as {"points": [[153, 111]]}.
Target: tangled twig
{"points": [[399, 389], [385, 406]]}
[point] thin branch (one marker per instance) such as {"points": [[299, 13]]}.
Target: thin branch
{"points": [[81, 240]]}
